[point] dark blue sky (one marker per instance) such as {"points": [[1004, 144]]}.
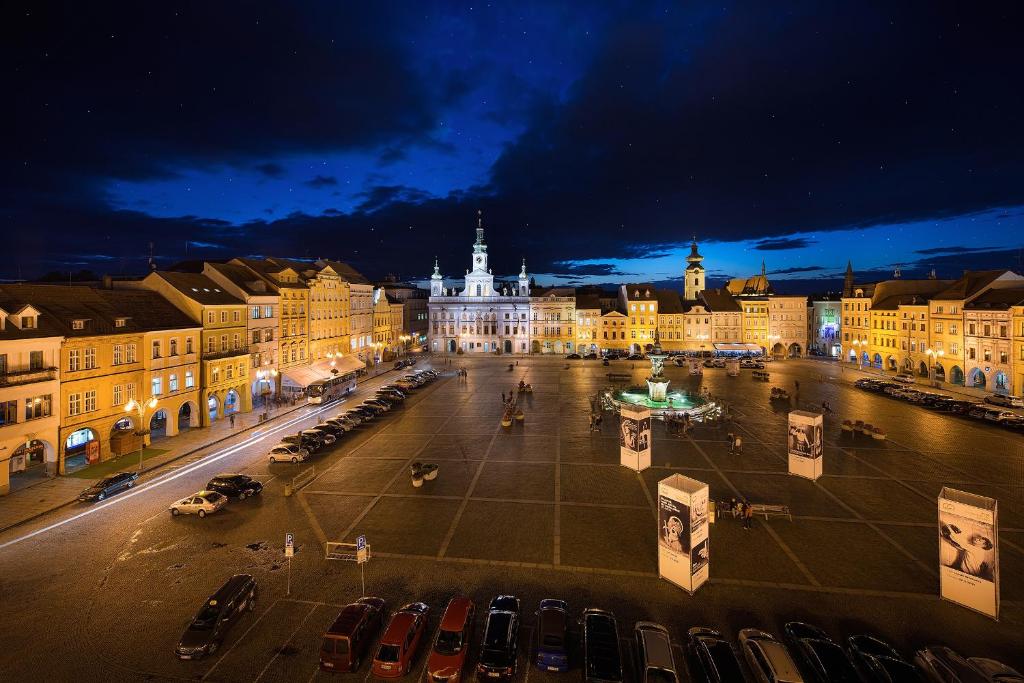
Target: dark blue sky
{"points": [[597, 140]]}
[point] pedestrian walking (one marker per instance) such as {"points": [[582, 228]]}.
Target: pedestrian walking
{"points": [[231, 418], [730, 437], [503, 398], [748, 515], [737, 445], [734, 508]]}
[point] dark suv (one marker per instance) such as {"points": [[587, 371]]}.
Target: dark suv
{"points": [[602, 661], [714, 659], [109, 486], [237, 486], [307, 441], [501, 639], [206, 631]]}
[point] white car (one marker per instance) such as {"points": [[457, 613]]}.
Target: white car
{"points": [[354, 418], [285, 452], [201, 503], [768, 658], [1005, 401], [906, 379]]}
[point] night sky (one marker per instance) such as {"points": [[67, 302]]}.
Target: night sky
{"points": [[597, 139]]}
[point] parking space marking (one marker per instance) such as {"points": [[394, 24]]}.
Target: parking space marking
{"points": [[469, 492], [771, 532], [243, 636], [278, 653]]}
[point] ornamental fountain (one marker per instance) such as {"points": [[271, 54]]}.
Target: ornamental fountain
{"points": [[656, 395]]}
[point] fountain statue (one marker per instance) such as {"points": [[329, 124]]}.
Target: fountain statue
{"points": [[657, 383]]}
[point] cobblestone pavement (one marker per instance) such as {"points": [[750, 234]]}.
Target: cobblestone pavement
{"points": [[540, 510]]}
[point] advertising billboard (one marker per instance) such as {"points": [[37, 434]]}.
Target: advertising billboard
{"points": [[683, 548], [635, 437], [804, 444], [969, 550]]}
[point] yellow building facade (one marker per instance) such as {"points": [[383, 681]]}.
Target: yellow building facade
{"points": [[553, 321]]}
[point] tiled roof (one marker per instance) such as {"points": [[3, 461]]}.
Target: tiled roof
{"points": [[243, 278], [668, 301], [268, 271], [719, 301], [199, 288], [999, 299], [640, 291], [969, 284], [141, 310], [347, 272]]}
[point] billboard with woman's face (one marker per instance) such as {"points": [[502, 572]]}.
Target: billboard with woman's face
{"points": [[683, 553], [969, 551]]}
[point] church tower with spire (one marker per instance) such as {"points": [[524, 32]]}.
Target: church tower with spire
{"points": [[436, 281], [848, 280], [479, 281], [524, 281], [694, 282]]}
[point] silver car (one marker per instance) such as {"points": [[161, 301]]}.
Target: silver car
{"points": [[768, 658], [200, 503], [944, 665], [285, 452]]}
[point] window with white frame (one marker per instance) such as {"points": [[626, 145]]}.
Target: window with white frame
{"points": [[74, 404], [90, 400]]}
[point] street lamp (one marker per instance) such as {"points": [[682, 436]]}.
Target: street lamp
{"points": [[140, 410]]}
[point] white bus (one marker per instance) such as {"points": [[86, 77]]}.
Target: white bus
{"points": [[333, 388]]}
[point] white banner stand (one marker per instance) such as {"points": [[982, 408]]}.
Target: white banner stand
{"points": [[969, 551], [683, 549], [804, 444], [634, 437]]}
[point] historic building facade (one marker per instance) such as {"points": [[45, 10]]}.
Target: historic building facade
{"points": [[30, 401], [482, 317]]}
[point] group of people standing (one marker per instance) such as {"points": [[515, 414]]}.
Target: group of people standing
{"points": [[742, 509]]}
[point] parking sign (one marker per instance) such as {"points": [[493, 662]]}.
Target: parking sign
{"points": [[362, 551], [360, 542], [289, 545]]}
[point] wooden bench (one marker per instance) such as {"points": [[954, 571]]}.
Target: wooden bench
{"points": [[771, 510], [619, 377]]}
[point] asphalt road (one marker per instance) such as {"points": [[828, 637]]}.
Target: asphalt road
{"points": [[95, 592]]}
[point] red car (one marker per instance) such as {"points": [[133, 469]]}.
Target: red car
{"points": [[448, 655], [400, 641]]}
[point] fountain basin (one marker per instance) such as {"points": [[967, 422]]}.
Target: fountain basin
{"points": [[675, 403]]}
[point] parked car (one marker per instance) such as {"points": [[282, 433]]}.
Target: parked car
{"points": [[552, 635], [904, 378], [311, 442], [350, 636], [391, 394], [635, 356], [876, 660], [590, 356], [401, 640], [366, 414], [325, 437], [334, 427], [448, 654], [206, 631], [384, 400], [714, 659], [654, 653], [602, 660], [501, 639], [996, 672], [378, 402], [285, 452], [238, 486], [574, 356], [768, 658], [944, 665], [108, 486], [352, 417], [373, 408], [1005, 401], [201, 503], [820, 659]]}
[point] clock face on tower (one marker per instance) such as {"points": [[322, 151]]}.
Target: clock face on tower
{"points": [[478, 260]]}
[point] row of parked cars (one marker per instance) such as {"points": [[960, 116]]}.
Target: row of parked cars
{"points": [[987, 411], [805, 653], [302, 445], [363, 630]]}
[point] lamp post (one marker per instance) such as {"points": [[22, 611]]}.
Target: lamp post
{"points": [[140, 410]]}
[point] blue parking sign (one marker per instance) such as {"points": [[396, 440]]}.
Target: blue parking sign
{"points": [[361, 543]]}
